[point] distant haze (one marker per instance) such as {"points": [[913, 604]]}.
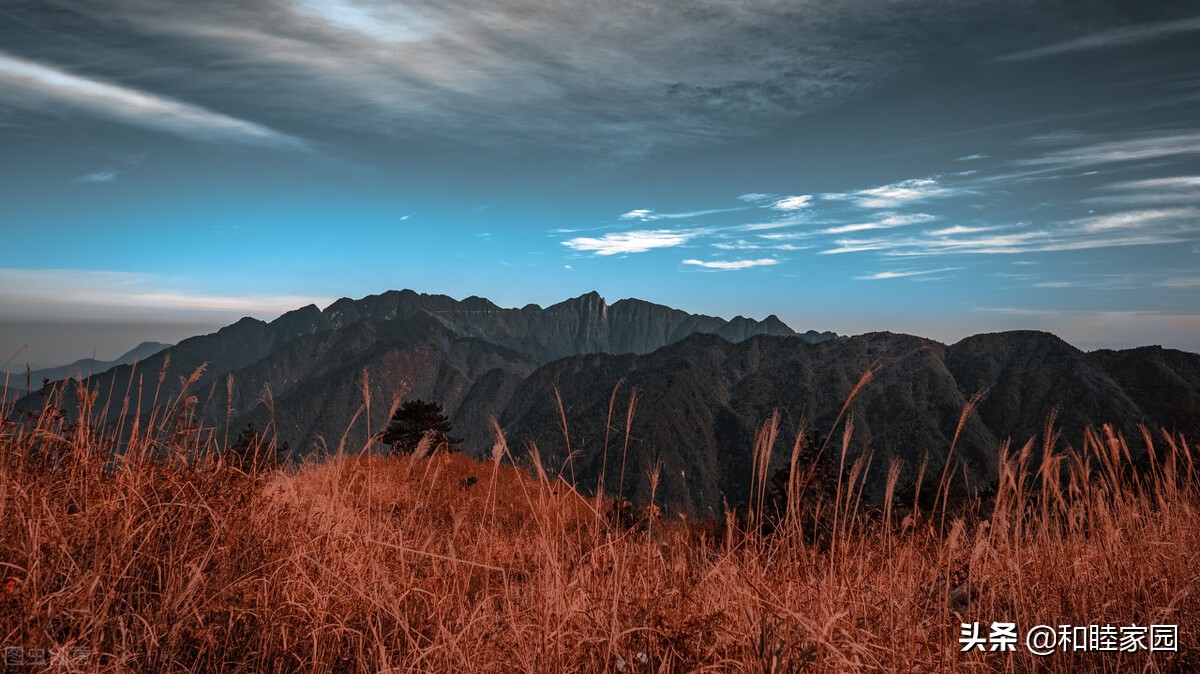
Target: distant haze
{"points": [[63, 343]]}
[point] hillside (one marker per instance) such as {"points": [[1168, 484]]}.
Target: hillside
{"points": [[700, 401]]}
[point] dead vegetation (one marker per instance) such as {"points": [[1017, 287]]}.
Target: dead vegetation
{"points": [[170, 556]]}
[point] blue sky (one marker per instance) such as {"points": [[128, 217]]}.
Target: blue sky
{"points": [[922, 166]]}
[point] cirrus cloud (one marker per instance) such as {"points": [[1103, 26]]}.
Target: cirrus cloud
{"points": [[884, 275], [895, 194], [732, 265], [1110, 38], [40, 86]]}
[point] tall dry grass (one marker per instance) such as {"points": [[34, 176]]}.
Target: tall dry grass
{"points": [[173, 556]]}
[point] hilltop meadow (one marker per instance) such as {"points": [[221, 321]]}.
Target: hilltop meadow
{"points": [[159, 544]]}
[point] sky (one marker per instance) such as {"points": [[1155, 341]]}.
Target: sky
{"points": [[934, 167]]}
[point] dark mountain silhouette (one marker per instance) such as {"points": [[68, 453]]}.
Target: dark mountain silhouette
{"points": [[1164, 382], [79, 369], [469, 355], [703, 385], [1027, 374], [699, 402]]}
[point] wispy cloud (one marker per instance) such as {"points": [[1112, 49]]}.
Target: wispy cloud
{"points": [[1168, 183], [490, 204], [1101, 281], [755, 197], [732, 265], [629, 242], [648, 215], [105, 176], [858, 246], [1099, 232], [51, 293], [41, 86], [1150, 191], [959, 229], [1181, 282], [1119, 37], [801, 222], [1137, 148], [739, 245], [385, 23], [1039, 241], [785, 236], [896, 194], [884, 275], [887, 222], [619, 77], [1137, 219], [973, 157]]}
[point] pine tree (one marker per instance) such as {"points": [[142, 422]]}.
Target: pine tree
{"points": [[412, 422], [252, 452]]}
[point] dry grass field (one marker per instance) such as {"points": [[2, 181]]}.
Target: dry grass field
{"points": [[175, 556]]}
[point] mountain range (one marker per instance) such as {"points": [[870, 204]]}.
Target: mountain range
{"points": [[703, 385], [467, 354], [700, 401], [79, 369]]}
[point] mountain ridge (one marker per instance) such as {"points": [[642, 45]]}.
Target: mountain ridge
{"points": [[326, 379], [256, 353], [700, 401]]}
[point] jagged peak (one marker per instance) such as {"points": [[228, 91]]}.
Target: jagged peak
{"points": [[774, 324], [591, 298]]}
